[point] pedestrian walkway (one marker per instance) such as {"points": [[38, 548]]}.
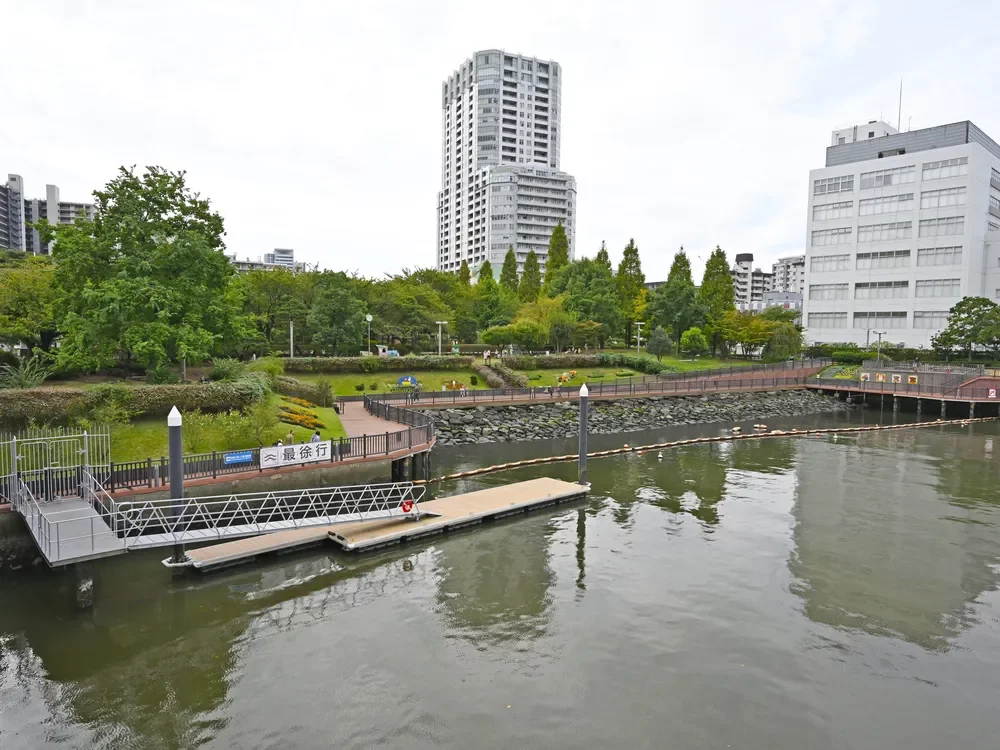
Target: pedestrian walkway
{"points": [[357, 421]]}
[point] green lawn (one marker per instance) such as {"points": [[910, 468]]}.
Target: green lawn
{"points": [[147, 438], [344, 383], [549, 375]]}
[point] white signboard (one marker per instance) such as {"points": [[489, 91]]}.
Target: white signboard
{"points": [[993, 392], [291, 455]]}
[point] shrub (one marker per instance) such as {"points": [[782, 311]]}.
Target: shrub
{"points": [[553, 361], [324, 391], [9, 358], [534, 376], [375, 364], [161, 375], [488, 376], [634, 363], [596, 375], [474, 379], [373, 386], [315, 393], [273, 367], [359, 386], [262, 422], [625, 374], [28, 373], [852, 356], [227, 369]]}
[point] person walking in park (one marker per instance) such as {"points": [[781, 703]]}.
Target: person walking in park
{"points": [[290, 437], [315, 438]]}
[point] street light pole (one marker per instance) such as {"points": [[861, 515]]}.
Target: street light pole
{"points": [[291, 338], [440, 323], [638, 336], [878, 355]]}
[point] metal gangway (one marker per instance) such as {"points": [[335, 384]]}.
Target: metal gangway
{"points": [[98, 525]]}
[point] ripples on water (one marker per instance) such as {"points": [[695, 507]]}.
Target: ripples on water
{"points": [[792, 593]]}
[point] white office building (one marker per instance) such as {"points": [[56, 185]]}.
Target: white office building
{"points": [[749, 283], [500, 180], [283, 258], [18, 212], [900, 227], [789, 274]]}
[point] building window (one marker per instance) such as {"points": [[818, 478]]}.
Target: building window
{"points": [[888, 177], [884, 259], [925, 319], [938, 288], [991, 227], [827, 320], [994, 202], [874, 320], [839, 236], [900, 230], [833, 185], [827, 211], [945, 227], [827, 291], [937, 170], [882, 290], [887, 204], [819, 263], [939, 256], [943, 198]]}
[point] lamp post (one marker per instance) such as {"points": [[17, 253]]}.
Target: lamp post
{"points": [[291, 338], [368, 317], [638, 336], [440, 323], [878, 350]]}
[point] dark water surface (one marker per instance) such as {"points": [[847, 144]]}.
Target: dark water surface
{"points": [[786, 593]]}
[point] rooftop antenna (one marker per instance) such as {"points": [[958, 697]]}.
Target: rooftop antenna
{"points": [[899, 116]]}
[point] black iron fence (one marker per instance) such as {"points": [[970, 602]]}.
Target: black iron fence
{"points": [[962, 392]]}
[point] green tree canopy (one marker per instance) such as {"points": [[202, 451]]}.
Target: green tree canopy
{"points": [[970, 324], [147, 280], [784, 341], [716, 295], [464, 275], [658, 342], [27, 296], [674, 305], [603, 258], [630, 282], [778, 314], [492, 305], [508, 274], [271, 299], [558, 256], [590, 295], [748, 330], [337, 317], [531, 279], [693, 342]]}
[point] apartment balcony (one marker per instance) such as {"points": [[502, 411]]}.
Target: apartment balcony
{"points": [[994, 210], [995, 181]]}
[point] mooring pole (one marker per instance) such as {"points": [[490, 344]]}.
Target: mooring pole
{"points": [[176, 472], [584, 394]]}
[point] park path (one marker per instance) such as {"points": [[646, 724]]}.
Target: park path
{"points": [[357, 421]]}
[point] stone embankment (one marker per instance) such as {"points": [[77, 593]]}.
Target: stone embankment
{"points": [[503, 424]]}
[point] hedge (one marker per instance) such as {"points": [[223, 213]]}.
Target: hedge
{"points": [[58, 404], [552, 361], [511, 378], [374, 364], [309, 391], [632, 362], [491, 378]]}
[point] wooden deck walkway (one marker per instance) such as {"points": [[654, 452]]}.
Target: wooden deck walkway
{"points": [[436, 517]]}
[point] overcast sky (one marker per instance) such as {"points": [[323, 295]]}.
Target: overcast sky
{"points": [[316, 126]]}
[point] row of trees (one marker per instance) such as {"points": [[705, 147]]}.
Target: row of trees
{"points": [[146, 284]]}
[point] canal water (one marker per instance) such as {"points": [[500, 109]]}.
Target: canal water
{"points": [[783, 593]]}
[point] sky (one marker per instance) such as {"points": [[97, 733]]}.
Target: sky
{"points": [[317, 125]]}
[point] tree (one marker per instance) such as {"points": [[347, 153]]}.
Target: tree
{"points": [[693, 342], [630, 283], [969, 322], [603, 258], [271, 299], [464, 275], [531, 279], [337, 317], [590, 295], [147, 280], [746, 329], [716, 295], [658, 343], [27, 295], [784, 342], [508, 274], [777, 314], [558, 256], [587, 333], [491, 307], [674, 304], [562, 328]]}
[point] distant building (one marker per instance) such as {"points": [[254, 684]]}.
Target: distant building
{"points": [[652, 286], [18, 212], [501, 184], [787, 300], [749, 283], [790, 274], [279, 258]]}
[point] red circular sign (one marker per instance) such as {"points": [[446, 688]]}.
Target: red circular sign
{"points": [[407, 506]]}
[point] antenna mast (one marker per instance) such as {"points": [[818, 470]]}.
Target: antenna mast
{"points": [[899, 116]]}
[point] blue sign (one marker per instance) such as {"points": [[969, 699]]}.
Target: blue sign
{"points": [[407, 380], [239, 457]]}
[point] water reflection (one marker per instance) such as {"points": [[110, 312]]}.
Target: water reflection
{"points": [[878, 543]]}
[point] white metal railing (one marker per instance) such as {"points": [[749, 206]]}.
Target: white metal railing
{"points": [[154, 523]]}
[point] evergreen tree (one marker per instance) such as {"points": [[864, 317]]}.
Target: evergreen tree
{"points": [[491, 307], [464, 276], [716, 295], [508, 274], [630, 282], [603, 258], [674, 305], [531, 279], [558, 255]]}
